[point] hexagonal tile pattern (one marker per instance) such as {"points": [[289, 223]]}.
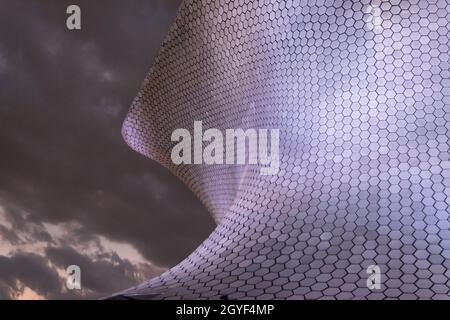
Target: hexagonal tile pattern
{"points": [[360, 91]]}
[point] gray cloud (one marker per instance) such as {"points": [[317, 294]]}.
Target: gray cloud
{"points": [[30, 270], [9, 235], [63, 96], [103, 271], [102, 274]]}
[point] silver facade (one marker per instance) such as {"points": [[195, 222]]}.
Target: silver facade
{"points": [[361, 93]]}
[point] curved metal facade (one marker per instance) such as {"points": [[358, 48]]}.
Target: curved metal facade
{"points": [[360, 91]]}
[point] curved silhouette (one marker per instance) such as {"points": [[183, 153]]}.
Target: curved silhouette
{"points": [[360, 91]]}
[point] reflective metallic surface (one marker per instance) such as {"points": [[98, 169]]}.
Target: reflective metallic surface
{"points": [[360, 91]]}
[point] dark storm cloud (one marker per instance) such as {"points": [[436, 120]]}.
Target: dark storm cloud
{"points": [[102, 274], [22, 230], [30, 270], [63, 97], [9, 235], [103, 271]]}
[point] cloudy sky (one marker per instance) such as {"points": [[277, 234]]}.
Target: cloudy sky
{"points": [[71, 190]]}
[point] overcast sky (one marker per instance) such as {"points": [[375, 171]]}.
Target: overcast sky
{"points": [[71, 190]]}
